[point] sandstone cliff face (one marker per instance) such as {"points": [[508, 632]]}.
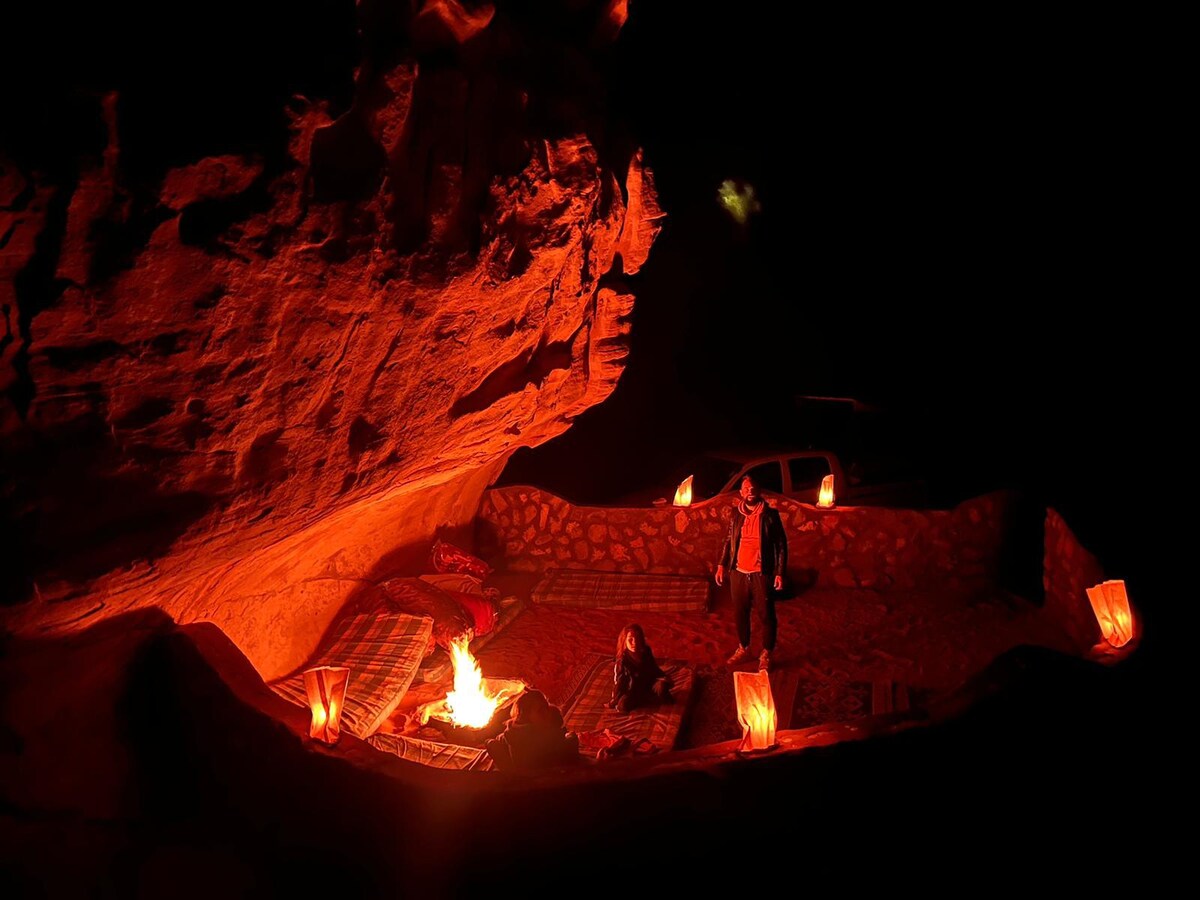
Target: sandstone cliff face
{"points": [[243, 396]]}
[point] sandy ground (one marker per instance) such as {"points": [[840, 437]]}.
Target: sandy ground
{"points": [[928, 641]]}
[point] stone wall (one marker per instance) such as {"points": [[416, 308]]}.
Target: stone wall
{"points": [[524, 529], [1068, 571]]}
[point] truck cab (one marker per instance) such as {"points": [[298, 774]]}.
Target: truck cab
{"points": [[798, 475]]}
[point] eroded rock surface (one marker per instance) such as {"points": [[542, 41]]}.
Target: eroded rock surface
{"points": [[237, 396]]}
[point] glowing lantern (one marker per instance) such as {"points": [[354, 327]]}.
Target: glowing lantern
{"points": [[326, 687], [825, 498], [1110, 603], [683, 494], [756, 710]]}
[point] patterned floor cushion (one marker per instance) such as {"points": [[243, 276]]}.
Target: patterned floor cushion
{"points": [[382, 652], [433, 753], [586, 710], [622, 590]]}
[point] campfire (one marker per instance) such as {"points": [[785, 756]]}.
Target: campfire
{"points": [[474, 700]]}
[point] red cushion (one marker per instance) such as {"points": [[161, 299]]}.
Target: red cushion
{"points": [[448, 558], [416, 597], [482, 610]]}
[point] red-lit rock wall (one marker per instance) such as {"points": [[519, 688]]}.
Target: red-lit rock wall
{"points": [[239, 396], [523, 529], [1069, 570]]}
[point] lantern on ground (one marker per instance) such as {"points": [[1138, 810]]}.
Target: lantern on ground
{"points": [[1110, 603], [326, 687], [826, 499], [756, 710]]}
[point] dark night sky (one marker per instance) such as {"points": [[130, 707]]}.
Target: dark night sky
{"points": [[953, 226]]}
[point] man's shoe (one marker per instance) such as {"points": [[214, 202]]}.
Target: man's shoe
{"points": [[764, 660], [740, 655]]}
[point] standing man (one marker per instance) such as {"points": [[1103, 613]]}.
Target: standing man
{"points": [[756, 546]]}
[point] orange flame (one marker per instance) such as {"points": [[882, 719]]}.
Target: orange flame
{"points": [[1110, 603], [470, 703], [825, 499], [683, 494], [474, 699]]}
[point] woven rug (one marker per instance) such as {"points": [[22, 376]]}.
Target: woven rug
{"points": [[714, 715], [656, 726], [622, 590], [801, 702], [824, 702]]}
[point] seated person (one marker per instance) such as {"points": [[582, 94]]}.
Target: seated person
{"points": [[637, 678], [534, 737]]}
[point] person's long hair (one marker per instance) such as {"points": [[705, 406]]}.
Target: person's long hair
{"points": [[639, 639]]}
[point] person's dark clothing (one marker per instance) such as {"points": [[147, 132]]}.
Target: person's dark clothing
{"points": [[533, 739], [772, 536], [638, 680], [755, 590]]}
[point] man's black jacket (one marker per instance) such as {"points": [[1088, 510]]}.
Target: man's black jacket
{"points": [[774, 542]]}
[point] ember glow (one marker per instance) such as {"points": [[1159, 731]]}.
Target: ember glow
{"points": [[683, 494]]}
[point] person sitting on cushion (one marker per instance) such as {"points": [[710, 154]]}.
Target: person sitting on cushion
{"points": [[637, 678], [534, 737]]}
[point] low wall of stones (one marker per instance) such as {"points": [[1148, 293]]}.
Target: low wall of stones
{"points": [[525, 529]]}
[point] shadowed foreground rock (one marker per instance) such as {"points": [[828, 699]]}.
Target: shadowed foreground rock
{"points": [[172, 768]]}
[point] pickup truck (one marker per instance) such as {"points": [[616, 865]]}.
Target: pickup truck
{"points": [[797, 474]]}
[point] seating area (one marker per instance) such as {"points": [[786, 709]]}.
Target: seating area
{"points": [[602, 731], [623, 590], [382, 652], [394, 662], [395, 637], [648, 730], [435, 754], [845, 651]]}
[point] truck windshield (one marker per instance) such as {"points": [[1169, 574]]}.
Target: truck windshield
{"points": [[807, 471], [711, 473]]}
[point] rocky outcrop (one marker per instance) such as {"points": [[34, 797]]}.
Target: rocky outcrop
{"points": [[523, 529], [1068, 571], [234, 396]]}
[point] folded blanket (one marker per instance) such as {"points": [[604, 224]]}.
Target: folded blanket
{"points": [[382, 653]]}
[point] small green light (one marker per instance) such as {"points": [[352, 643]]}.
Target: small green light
{"points": [[739, 203]]}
